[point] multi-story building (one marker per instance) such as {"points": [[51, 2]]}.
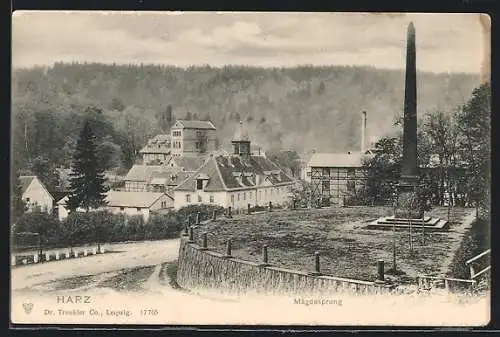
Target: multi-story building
{"points": [[157, 150], [334, 177], [235, 180], [192, 138]]}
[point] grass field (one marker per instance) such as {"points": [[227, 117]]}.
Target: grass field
{"points": [[347, 248]]}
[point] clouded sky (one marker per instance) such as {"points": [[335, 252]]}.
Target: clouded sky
{"points": [[445, 42]]}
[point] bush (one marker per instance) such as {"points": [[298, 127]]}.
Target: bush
{"points": [[475, 242], [134, 228], [162, 227], [45, 224]]}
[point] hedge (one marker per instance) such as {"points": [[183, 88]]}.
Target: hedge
{"points": [[103, 226]]}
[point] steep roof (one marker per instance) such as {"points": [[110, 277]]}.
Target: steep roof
{"points": [[172, 177], [189, 163], [353, 159], [233, 172], [25, 182], [185, 124]]}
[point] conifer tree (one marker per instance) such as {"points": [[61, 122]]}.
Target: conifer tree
{"points": [[87, 189]]}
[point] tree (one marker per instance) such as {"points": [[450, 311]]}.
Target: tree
{"points": [[165, 118], [108, 154], [18, 206], [474, 140], [87, 181], [286, 159]]}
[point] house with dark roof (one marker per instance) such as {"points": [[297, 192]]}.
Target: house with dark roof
{"points": [[235, 180], [192, 138], [35, 194]]}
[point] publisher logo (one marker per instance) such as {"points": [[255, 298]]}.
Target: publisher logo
{"points": [[28, 306]]}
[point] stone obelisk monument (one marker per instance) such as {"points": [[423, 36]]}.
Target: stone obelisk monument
{"points": [[408, 207], [409, 170]]}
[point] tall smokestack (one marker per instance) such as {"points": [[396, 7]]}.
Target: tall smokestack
{"points": [[363, 131]]}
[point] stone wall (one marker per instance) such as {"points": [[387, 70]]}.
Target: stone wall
{"points": [[205, 269]]}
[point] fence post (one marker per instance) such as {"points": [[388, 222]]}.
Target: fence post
{"points": [[471, 269], [248, 208], [228, 248], [214, 215], [229, 212], [317, 270], [204, 243], [198, 220], [270, 206], [380, 271], [264, 255], [191, 235]]}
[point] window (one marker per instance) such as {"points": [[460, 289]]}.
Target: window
{"points": [[199, 184], [250, 195], [197, 145], [122, 209], [188, 198], [232, 198], [200, 199], [138, 209], [238, 197], [244, 196], [176, 133], [27, 199], [211, 199], [163, 204]]}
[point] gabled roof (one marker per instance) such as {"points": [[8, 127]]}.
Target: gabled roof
{"points": [[143, 172], [234, 172], [133, 199], [128, 199], [185, 124], [25, 182], [353, 159]]}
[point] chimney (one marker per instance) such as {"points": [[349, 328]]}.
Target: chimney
{"points": [[363, 131]]}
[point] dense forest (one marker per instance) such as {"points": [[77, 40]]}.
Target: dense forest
{"points": [[301, 109]]}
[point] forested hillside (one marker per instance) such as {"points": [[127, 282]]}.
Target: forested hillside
{"points": [[301, 108]]}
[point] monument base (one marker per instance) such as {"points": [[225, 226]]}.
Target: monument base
{"points": [[392, 222], [408, 211]]}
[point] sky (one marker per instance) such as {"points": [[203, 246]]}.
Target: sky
{"points": [[444, 42]]}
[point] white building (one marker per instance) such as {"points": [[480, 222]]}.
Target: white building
{"points": [[36, 195], [235, 180], [130, 203]]}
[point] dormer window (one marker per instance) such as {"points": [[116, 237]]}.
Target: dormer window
{"points": [[199, 184]]}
